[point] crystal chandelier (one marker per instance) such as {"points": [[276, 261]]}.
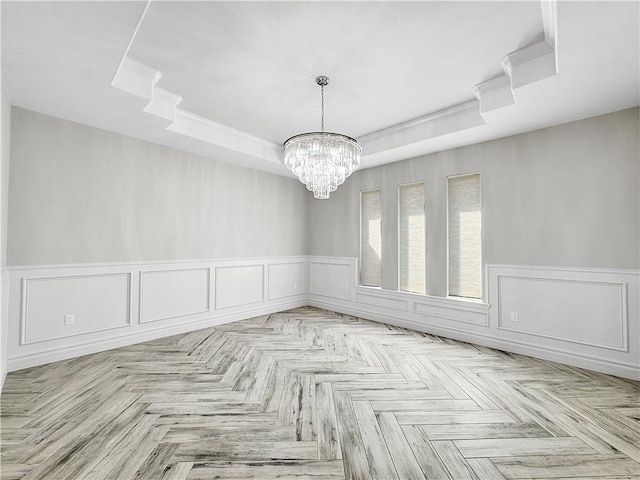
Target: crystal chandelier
{"points": [[322, 160]]}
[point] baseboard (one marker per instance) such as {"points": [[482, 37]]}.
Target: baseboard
{"points": [[595, 364], [65, 353]]}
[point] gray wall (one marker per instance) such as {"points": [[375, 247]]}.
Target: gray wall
{"points": [[83, 195], [5, 138], [561, 196], [4, 173]]}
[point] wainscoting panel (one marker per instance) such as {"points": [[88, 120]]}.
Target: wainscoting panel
{"points": [[96, 302], [440, 314], [375, 299], [239, 285], [286, 279], [584, 317], [120, 304], [173, 293], [584, 312], [332, 278]]}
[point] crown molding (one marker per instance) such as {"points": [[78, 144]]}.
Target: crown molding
{"points": [[138, 79], [520, 67], [163, 103], [206, 130], [452, 119], [530, 64], [495, 93]]}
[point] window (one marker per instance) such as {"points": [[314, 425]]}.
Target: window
{"points": [[465, 250], [370, 237], [411, 237]]}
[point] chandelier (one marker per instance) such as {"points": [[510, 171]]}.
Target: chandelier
{"points": [[322, 160]]}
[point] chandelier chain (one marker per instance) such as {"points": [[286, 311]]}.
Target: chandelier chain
{"points": [[322, 107]]}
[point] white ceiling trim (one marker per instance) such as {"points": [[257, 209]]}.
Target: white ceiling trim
{"points": [[521, 67]]}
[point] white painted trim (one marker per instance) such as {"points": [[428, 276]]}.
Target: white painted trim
{"points": [[30, 360], [476, 321], [452, 317], [619, 271], [267, 283], [264, 284], [470, 321], [220, 261], [603, 365], [382, 301], [141, 303], [24, 316], [21, 354], [624, 324], [133, 37]]}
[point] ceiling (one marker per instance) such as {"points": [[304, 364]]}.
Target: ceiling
{"points": [[233, 80]]}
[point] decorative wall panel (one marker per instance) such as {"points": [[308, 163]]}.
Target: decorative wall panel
{"points": [[173, 293], [95, 302], [239, 285]]}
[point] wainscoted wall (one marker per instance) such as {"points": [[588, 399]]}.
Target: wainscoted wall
{"points": [[584, 317], [578, 316], [60, 312]]}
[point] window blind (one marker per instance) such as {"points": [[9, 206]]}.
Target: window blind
{"points": [[412, 237], [370, 237], [465, 250]]}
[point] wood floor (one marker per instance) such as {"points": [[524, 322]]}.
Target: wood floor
{"points": [[318, 395]]}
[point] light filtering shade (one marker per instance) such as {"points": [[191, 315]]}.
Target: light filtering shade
{"points": [[412, 237], [465, 246], [370, 237], [322, 160]]}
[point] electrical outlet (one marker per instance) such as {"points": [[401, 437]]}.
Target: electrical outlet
{"points": [[514, 317], [69, 319]]}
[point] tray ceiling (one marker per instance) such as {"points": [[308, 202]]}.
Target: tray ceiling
{"points": [[233, 80]]}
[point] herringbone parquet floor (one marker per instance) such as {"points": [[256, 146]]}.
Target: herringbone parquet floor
{"points": [[318, 395]]}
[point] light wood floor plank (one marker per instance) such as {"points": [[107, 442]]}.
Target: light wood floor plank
{"points": [[313, 394], [593, 466], [426, 456], [403, 458]]}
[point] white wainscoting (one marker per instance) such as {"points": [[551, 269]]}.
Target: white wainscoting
{"points": [[583, 317], [284, 279], [174, 293], [250, 277], [120, 304], [4, 324], [332, 278], [97, 301]]}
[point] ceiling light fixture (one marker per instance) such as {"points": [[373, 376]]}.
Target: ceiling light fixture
{"points": [[322, 160]]}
